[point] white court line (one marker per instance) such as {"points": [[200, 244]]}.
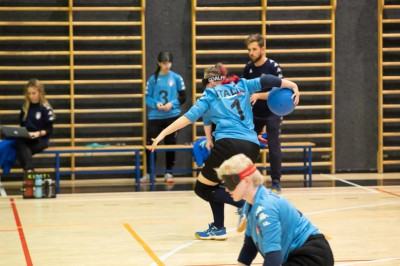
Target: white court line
{"points": [[172, 252], [351, 208], [350, 183], [158, 198], [370, 261], [161, 196], [166, 255]]}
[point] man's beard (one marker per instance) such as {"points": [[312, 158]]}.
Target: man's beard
{"points": [[256, 59]]}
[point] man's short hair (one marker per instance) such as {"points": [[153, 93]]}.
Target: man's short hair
{"points": [[255, 38]]}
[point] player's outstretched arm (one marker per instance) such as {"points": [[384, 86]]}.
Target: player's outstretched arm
{"points": [[179, 123]]}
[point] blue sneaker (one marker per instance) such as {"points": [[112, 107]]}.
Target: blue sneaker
{"points": [[212, 233], [276, 187], [242, 220]]}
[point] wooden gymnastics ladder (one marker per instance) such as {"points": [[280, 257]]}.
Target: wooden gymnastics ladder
{"points": [[388, 86], [93, 70], [300, 37]]}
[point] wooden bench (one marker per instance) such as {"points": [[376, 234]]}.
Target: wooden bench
{"points": [[306, 147], [154, 171], [88, 150]]}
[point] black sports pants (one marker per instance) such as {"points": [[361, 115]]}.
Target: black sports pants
{"points": [[154, 127], [273, 124], [315, 252], [26, 148]]}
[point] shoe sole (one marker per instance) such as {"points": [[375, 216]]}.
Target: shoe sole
{"points": [[276, 191], [242, 225], [211, 237]]}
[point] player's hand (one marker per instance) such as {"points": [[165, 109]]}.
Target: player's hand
{"points": [[167, 107], [209, 144], [159, 138], [253, 98], [34, 134], [262, 140], [160, 106], [296, 96]]}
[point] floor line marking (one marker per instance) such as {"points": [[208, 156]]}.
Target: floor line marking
{"points": [[144, 245], [175, 250], [387, 192], [308, 213], [64, 200], [369, 261], [21, 233], [352, 207], [350, 183]]}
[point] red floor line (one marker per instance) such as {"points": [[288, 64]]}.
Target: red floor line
{"points": [[387, 192], [21, 234]]}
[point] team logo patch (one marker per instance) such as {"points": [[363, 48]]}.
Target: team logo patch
{"points": [[38, 115], [262, 217], [171, 83], [259, 209]]}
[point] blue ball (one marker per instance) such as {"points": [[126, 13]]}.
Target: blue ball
{"points": [[279, 101]]}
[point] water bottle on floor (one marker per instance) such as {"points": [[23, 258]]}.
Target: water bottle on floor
{"points": [[38, 186]]}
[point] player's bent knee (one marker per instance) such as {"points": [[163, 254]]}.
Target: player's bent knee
{"points": [[203, 191]]}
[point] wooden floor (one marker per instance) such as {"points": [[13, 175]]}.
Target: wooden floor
{"points": [[361, 222]]}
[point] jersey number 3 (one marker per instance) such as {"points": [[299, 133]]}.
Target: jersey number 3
{"points": [[164, 95], [239, 109]]}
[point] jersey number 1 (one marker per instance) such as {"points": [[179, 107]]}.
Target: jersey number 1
{"points": [[237, 105]]}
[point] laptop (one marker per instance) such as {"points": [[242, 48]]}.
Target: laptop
{"points": [[15, 133]]}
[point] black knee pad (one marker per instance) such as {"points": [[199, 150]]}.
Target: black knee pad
{"points": [[204, 191]]}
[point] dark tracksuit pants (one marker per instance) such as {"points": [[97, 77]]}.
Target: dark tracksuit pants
{"points": [[273, 124], [26, 148], [154, 127]]}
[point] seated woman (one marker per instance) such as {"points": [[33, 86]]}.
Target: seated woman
{"points": [[37, 116]]}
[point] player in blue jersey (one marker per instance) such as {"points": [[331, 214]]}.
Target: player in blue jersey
{"points": [[226, 103], [259, 65], [38, 117], [165, 92], [275, 228]]}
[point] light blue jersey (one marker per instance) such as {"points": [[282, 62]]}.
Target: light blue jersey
{"points": [[164, 91], [229, 107], [275, 224]]}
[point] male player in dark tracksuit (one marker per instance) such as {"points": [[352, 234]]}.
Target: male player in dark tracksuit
{"points": [[262, 115]]}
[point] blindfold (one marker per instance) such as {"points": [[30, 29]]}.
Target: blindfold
{"points": [[231, 181]]}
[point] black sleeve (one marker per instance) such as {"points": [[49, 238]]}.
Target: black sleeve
{"points": [[248, 252], [273, 258], [49, 128], [21, 115], [48, 117], [182, 97], [245, 73], [276, 69], [269, 81]]}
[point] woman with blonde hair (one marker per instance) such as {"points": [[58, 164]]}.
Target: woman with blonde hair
{"points": [[275, 228], [37, 116], [225, 103]]}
